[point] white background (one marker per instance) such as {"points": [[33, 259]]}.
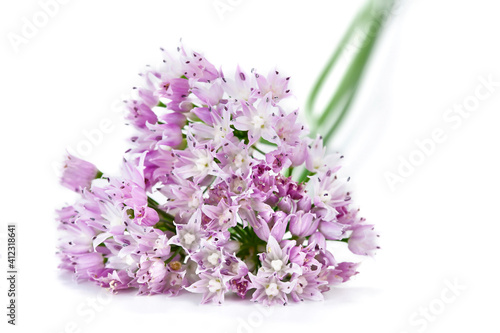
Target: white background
{"points": [[441, 224]]}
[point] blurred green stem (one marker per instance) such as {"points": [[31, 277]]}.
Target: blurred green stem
{"points": [[369, 21]]}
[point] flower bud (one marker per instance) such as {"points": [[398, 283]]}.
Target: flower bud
{"points": [[303, 224], [363, 240], [267, 215], [332, 229], [319, 239], [261, 228], [280, 222], [299, 154], [304, 204], [287, 205], [77, 173]]}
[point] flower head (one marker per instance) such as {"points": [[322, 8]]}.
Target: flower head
{"points": [[209, 198]]}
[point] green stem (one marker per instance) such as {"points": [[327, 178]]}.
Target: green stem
{"points": [[209, 185], [311, 100], [166, 222], [303, 176], [340, 118], [264, 141], [260, 151], [352, 75], [349, 90], [163, 214], [177, 251], [370, 19]]}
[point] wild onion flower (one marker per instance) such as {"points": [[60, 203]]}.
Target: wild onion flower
{"points": [[77, 173], [211, 199]]}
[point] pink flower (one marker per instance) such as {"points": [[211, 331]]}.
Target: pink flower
{"points": [[259, 121], [363, 240], [78, 174], [212, 286], [269, 289], [303, 224], [207, 199]]}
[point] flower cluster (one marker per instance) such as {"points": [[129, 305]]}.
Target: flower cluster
{"points": [[222, 190]]}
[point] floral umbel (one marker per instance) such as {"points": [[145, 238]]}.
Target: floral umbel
{"points": [[222, 191]]}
